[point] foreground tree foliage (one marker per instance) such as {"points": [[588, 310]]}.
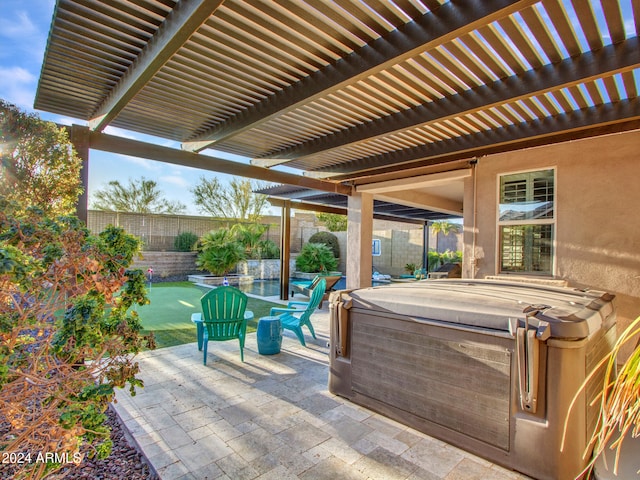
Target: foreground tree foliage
{"points": [[38, 166], [67, 334], [333, 221]]}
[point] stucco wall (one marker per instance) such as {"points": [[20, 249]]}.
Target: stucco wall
{"points": [[598, 212]]}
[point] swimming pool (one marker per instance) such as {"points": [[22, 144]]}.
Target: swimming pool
{"points": [[271, 288], [263, 288]]}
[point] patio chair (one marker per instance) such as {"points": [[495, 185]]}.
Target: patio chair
{"points": [[295, 318], [448, 270], [223, 310], [307, 286]]}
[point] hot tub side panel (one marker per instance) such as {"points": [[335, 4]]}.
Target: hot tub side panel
{"points": [[460, 381], [461, 385]]}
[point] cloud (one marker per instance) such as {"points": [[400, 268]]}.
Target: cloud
{"points": [[176, 180], [141, 162], [119, 132], [62, 120], [17, 26], [17, 86], [23, 30]]}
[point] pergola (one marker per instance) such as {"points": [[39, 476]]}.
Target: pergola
{"points": [[387, 99]]}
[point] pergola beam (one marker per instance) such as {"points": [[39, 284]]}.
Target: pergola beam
{"points": [[599, 120], [587, 67], [446, 23], [135, 148], [185, 18], [309, 207], [314, 207]]}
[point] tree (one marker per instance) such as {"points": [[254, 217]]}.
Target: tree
{"points": [[139, 196], [236, 201], [38, 163], [334, 221], [445, 228], [250, 237]]}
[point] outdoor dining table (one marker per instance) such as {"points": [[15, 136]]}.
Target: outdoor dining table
{"points": [[197, 319]]}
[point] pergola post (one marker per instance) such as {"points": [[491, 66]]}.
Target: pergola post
{"points": [[469, 227], [285, 249], [79, 137], [359, 238], [425, 246]]}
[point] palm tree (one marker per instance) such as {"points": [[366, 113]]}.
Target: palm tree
{"points": [[249, 236], [445, 228]]}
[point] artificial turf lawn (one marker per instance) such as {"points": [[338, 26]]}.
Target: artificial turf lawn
{"points": [[168, 315]]}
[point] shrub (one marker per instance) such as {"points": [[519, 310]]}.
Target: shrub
{"points": [[268, 249], [451, 257], [328, 239], [410, 268], [220, 253], [249, 237], [67, 330], [316, 257], [434, 260], [185, 242]]}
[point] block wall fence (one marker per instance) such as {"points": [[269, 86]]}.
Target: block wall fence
{"points": [[401, 243]]}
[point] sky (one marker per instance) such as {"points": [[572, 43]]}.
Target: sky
{"points": [[24, 27]]}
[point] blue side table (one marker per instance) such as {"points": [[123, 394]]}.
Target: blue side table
{"points": [[269, 335], [197, 319]]}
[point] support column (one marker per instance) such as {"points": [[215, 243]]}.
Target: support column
{"points": [[469, 232], [285, 249], [79, 137], [425, 246], [359, 239]]}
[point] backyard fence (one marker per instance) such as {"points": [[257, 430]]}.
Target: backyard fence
{"points": [[400, 243], [158, 232]]}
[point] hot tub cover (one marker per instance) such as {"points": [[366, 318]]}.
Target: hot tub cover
{"points": [[489, 304]]}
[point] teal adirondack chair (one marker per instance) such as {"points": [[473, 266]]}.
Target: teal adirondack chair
{"points": [[223, 317], [295, 318]]}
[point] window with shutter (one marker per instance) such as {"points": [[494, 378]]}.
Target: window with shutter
{"points": [[527, 222]]}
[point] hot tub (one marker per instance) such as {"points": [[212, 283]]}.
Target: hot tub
{"points": [[488, 366]]}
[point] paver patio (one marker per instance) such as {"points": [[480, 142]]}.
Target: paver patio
{"points": [[272, 417]]}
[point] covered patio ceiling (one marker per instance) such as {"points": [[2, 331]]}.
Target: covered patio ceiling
{"points": [[316, 200], [347, 92]]}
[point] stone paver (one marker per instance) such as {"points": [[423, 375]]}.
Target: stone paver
{"points": [[272, 417]]}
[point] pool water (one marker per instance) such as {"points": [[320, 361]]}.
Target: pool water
{"points": [[263, 288], [271, 288]]}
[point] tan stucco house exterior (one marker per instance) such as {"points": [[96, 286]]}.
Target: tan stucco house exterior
{"points": [[593, 226]]}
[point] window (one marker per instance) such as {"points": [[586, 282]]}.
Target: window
{"points": [[526, 223]]}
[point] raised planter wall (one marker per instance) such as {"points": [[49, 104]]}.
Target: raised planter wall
{"points": [[167, 264], [233, 280]]}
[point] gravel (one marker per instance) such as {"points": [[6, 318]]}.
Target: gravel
{"points": [[124, 463]]}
